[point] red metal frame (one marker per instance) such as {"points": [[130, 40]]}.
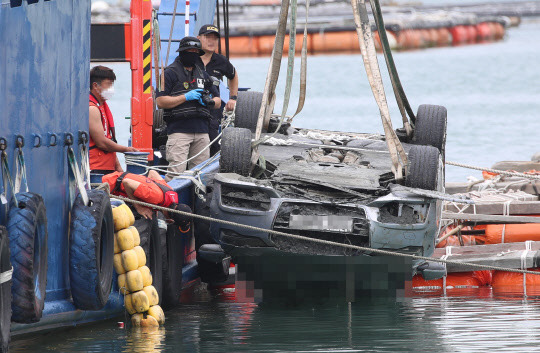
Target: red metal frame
{"points": [[138, 39]]}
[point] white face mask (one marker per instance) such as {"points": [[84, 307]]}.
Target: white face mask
{"points": [[108, 93]]}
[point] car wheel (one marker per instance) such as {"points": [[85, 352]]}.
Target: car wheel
{"points": [[424, 168], [235, 151], [247, 109], [430, 127]]}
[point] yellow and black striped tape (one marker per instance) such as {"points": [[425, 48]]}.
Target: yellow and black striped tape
{"points": [[147, 57]]}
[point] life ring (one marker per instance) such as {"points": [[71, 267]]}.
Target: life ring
{"points": [[6, 272], [27, 229], [91, 251]]}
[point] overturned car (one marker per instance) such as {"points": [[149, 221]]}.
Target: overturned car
{"points": [[331, 186]]}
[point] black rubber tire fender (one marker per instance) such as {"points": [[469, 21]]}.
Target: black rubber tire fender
{"points": [[152, 244], [173, 262], [5, 292], [430, 127], [248, 105], [424, 168], [91, 251], [28, 241], [235, 151]]}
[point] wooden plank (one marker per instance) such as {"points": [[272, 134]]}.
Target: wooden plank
{"points": [[490, 218], [497, 208], [486, 249]]}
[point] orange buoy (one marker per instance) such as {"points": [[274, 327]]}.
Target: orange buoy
{"points": [[459, 35], [444, 37], [483, 32], [475, 279], [512, 282], [499, 31], [511, 233]]}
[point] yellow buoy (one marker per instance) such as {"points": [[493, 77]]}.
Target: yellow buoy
{"points": [[150, 321], [146, 275], [141, 256], [124, 237], [136, 320], [117, 249], [129, 304], [130, 260], [131, 217], [134, 281], [120, 218], [122, 284], [152, 295], [156, 312], [136, 236], [140, 301], [118, 265]]}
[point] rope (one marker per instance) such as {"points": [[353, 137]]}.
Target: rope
{"points": [[321, 241], [6, 179], [6, 276], [157, 49], [20, 172], [496, 171], [171, 33], [75, 177]]}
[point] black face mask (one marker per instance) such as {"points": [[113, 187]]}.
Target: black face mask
{"points": [[189, 59]]}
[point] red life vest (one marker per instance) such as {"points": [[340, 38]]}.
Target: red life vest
{"points": [[115, 184], [99, 159]]}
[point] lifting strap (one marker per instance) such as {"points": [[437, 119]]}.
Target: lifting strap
{"points": [[399, 93], [369, 56]]}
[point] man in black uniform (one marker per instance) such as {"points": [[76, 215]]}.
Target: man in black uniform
{"points": [[186, 114], [218, 66]]}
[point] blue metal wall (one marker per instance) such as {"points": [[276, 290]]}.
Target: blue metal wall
{"points": [[44, 70]]}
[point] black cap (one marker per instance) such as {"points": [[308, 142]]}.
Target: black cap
{"points": [[190, 43], [209, 29]]}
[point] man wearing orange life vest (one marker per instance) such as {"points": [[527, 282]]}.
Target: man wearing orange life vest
{"points": [[103, 145], [151, 189]]}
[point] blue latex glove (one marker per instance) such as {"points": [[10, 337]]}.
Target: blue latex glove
{"points": [[194, 94]]}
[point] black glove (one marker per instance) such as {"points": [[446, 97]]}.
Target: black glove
{"points": [[181, 220]]}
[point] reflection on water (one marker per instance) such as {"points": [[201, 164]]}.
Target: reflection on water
{"points": [[476, 320]]}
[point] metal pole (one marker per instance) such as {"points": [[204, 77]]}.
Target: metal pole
{"points": [[186, 16]]}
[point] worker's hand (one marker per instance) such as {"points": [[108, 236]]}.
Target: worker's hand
{"points": [[144, 211], [194, 94], [230, 105], [131, 149], [201, 102]]}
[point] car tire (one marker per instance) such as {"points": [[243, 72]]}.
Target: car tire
{"points": [[236, 151], [28, 243], [173, 262], [91, 251], [424, 168], [248, 106], [5, 291], [430, 127]]}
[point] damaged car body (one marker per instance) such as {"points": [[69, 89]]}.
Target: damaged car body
{"points": [[329, 186]]}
